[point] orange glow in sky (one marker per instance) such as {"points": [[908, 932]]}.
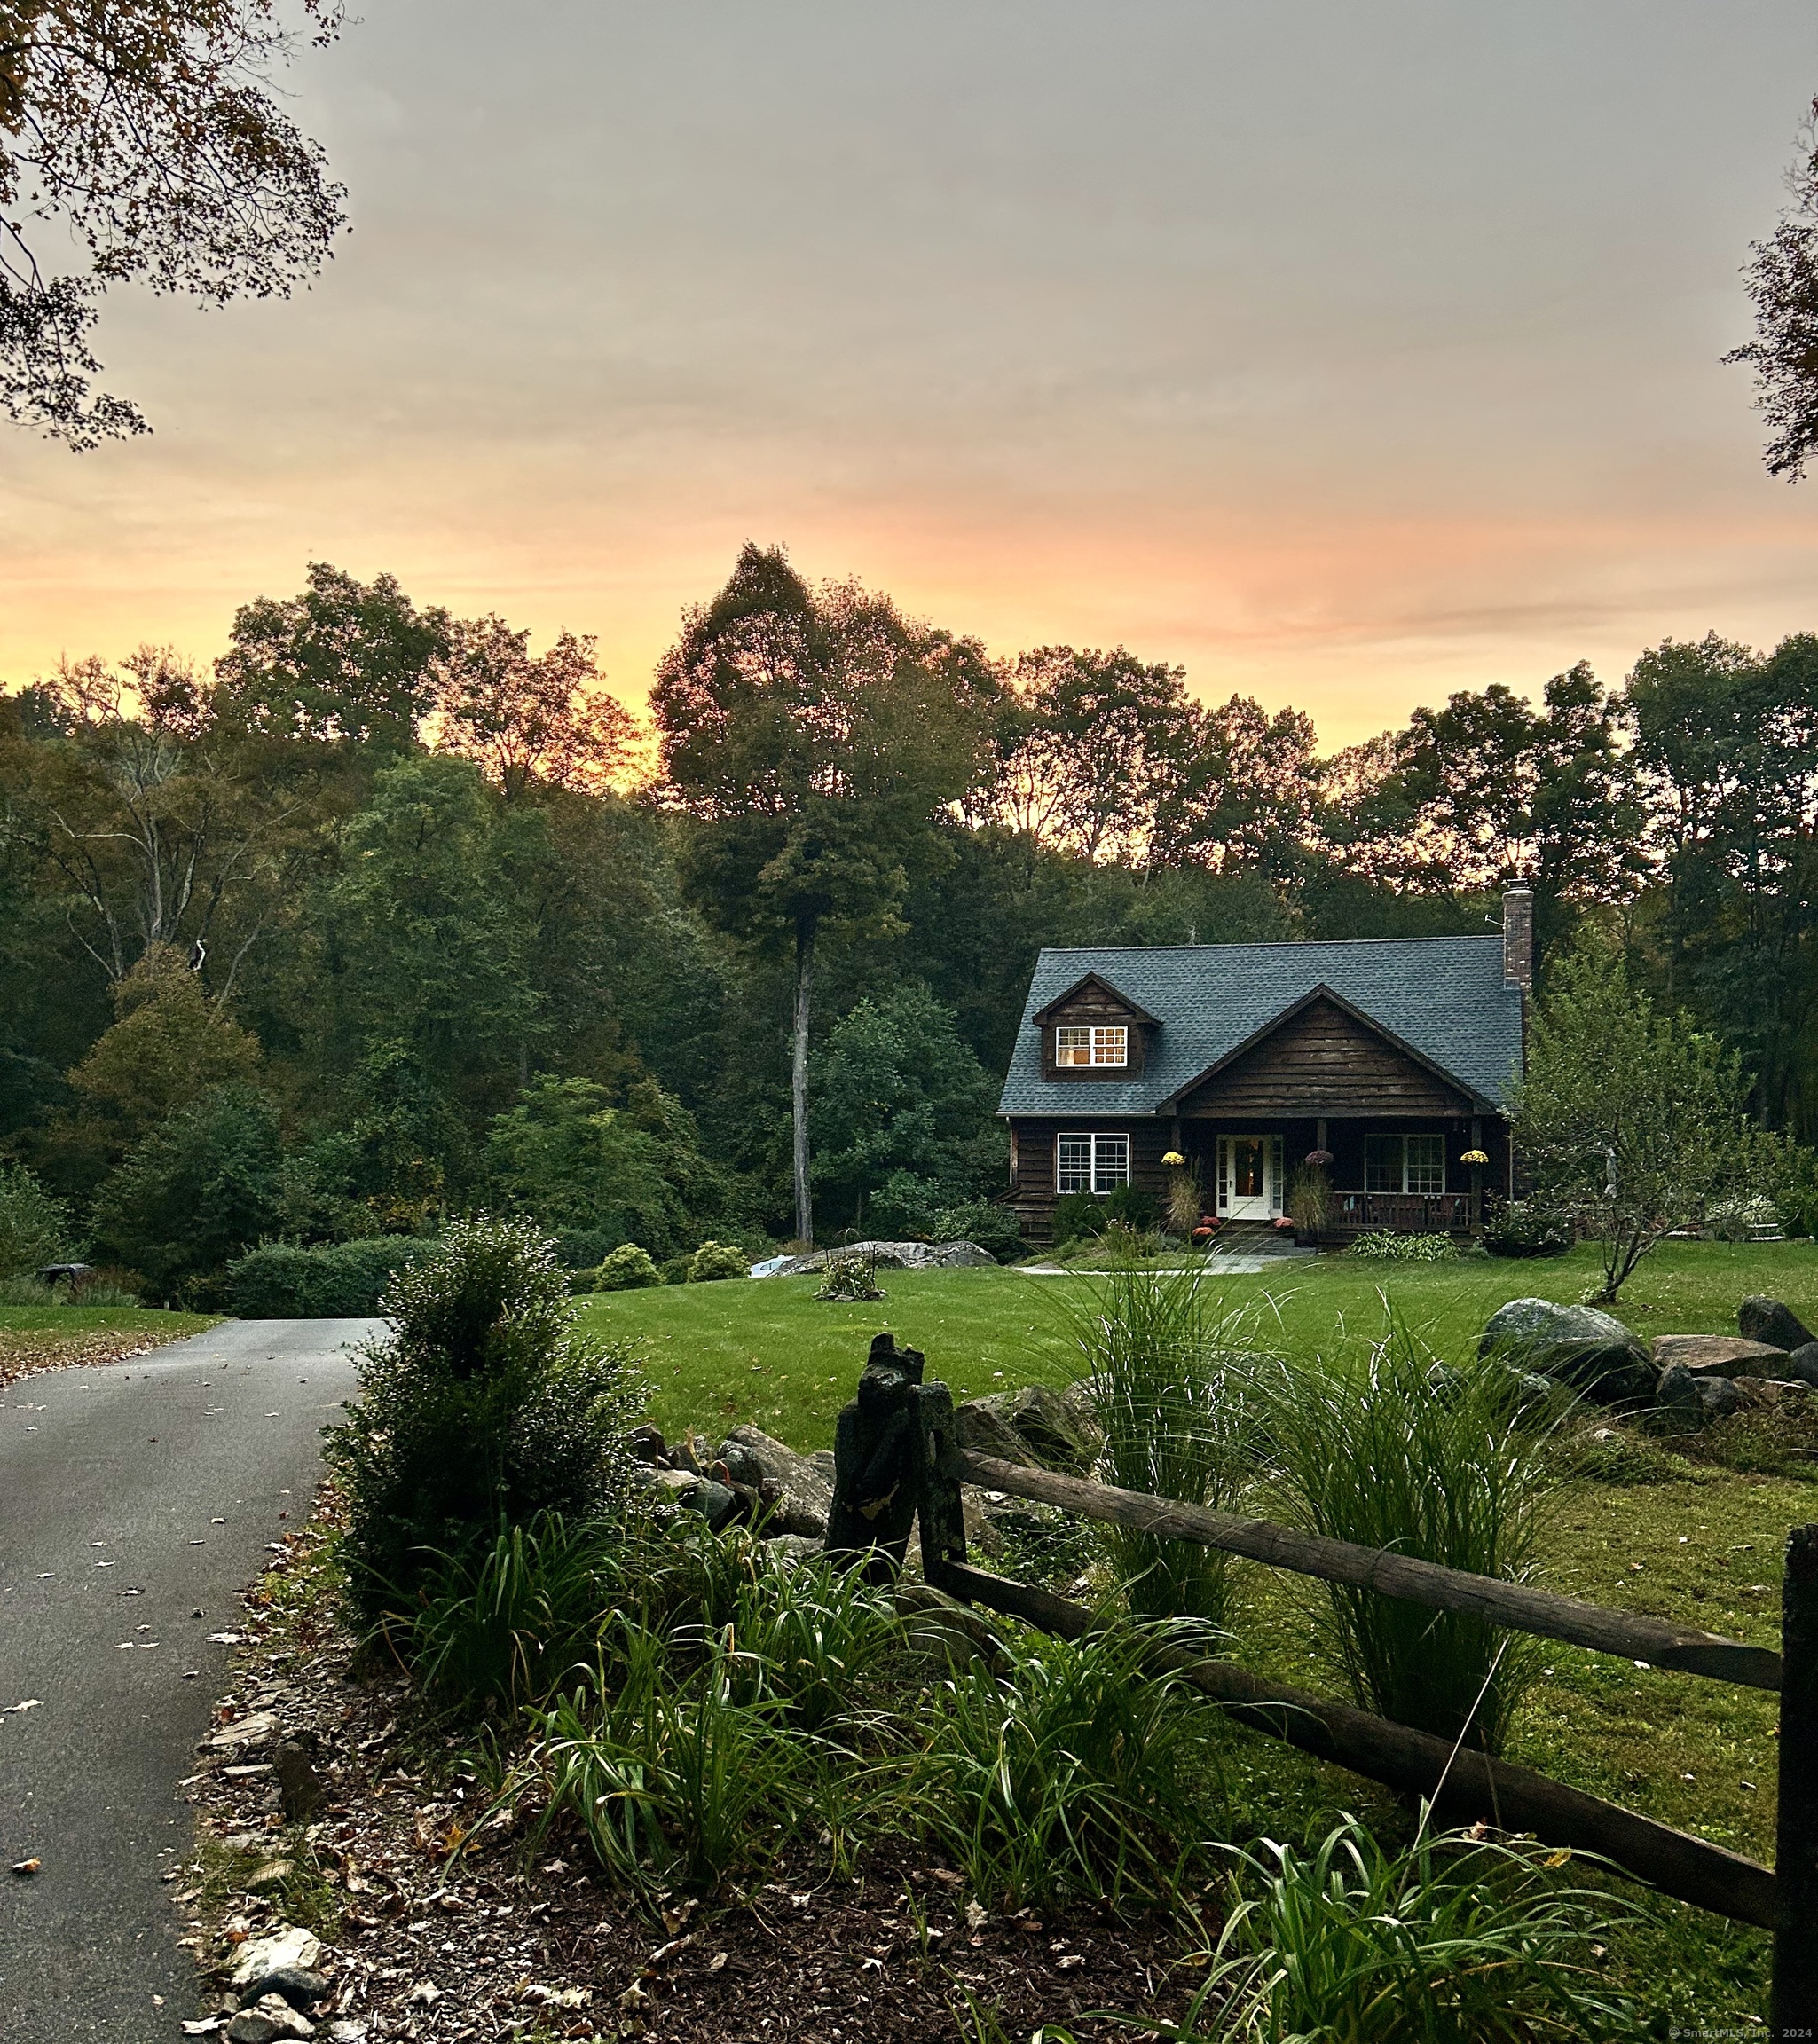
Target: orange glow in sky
{"points": [[1346, 356]]}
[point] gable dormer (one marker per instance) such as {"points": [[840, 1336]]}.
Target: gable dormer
{"points": [[1092, 1032]]}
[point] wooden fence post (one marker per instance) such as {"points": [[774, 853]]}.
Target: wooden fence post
{"points": [[937, 1494], [1795, 2011]]}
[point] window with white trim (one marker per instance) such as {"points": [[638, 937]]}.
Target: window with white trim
{"points": [[1091, 1163], [1404, 1163], [1076, 1043]]}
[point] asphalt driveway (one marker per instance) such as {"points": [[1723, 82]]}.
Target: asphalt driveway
{"points": [[133, 1496]]}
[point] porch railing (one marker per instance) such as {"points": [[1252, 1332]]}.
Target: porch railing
{"points": [[1408, 1212]]}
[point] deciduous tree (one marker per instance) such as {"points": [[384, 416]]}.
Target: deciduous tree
{"points": [[147, 135], [1632, 1116], [810, 737]]}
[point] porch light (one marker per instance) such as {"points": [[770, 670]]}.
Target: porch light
{"points": [[1173, 1157], [1318, 1157], [1474, 1157]]}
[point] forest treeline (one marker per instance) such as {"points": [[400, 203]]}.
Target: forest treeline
{"points": [[387, 917]]}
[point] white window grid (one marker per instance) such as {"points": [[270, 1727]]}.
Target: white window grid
{"points": [[1405, 1164], [1091, 1163], [1079, 1043]]}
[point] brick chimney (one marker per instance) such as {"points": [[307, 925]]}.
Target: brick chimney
{"points": [[1518, 938]]}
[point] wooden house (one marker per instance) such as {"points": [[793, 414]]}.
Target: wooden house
{"points": [[1391, 1058]]}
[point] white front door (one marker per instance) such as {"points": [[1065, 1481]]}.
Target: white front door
{"points": [[1249, 1172]]}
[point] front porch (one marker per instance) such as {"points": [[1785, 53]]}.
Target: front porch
{"points": [[1409, 1176]]}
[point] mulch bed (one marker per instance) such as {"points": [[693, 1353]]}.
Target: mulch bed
{"points": [[426, 1941]]}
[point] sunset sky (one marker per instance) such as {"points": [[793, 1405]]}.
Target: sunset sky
{"points": [[1348, 354]]}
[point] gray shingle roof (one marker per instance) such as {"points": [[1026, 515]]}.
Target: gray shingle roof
{"points": [[1444, 995]]}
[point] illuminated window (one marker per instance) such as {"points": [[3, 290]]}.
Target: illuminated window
{"points": [[1076, 1044], [1091, 1163]]}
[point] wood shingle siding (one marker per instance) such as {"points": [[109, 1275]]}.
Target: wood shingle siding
{"points": [[1323, 1062]]}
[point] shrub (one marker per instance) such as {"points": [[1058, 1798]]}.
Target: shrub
{"points": [[1457, 1940], [675, 1269], [715, 1260], [1527, 1228], [990, 1226], [582, 1249], [1384, 1248], [849, 1279], [323, 1281], [484, 1408], [34, 1226], [1439, 1464], [628, 1268], [1133, 1208], [1169, 1383], [1077, 1217]]}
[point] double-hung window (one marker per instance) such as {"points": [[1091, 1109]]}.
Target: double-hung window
{"points": [[1404, 1163], [1076, 1043], [1091, 1163]]}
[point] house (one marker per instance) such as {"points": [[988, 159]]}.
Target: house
{"points": [[1394, 1056]]}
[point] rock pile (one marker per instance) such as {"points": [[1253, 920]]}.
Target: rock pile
{"points": [[754, 1480], [884, 1255], [750, 1479], [1696, 1377]]}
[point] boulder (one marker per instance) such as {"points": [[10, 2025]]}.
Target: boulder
{"points": [[951, 1635], [797, 1494], [266, 2021], [884, 1255], [1054, 1431], [1592, 1352], [261, 1960], [1719, 1355], [795, 1547], [717, 1503], [1767, 1320], [980, 1427], [1802, 1364], [1697, 1399], [646, 1444]]}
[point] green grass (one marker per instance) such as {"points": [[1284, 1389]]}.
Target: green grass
{"points": [[1695, 1543], [765, 1351], [102, 1319]]}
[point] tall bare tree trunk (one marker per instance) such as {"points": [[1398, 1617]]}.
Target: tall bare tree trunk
{"points": [[799, 1079]]}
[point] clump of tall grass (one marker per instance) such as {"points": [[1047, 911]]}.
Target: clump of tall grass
{"points": [[1401, 1452], [713, 1728], [1456, 1940], [1087, 1771], [1171, 1380], [674, 1782], [503, 1623]]}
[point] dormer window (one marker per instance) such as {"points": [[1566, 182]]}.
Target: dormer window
{"points": [[1096, 1045]]}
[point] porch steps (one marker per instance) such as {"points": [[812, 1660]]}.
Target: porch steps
{"points": [[1256, 1238]]}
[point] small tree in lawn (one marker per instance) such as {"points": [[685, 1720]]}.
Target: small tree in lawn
{"points": [[1633, 1118]]}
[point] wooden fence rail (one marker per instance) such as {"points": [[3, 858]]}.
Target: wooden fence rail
{"points": [[900, 1461], [1465, 1786], [1655, 1640]]}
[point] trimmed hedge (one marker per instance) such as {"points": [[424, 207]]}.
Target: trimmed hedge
{"points": [[326, 1281]]}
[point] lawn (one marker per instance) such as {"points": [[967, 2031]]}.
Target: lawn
{"points": [[46, 1337], [768, 1352], [1703, 1544]]}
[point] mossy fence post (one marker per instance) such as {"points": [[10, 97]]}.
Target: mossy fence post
{"points": [[1795, 2011]]}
